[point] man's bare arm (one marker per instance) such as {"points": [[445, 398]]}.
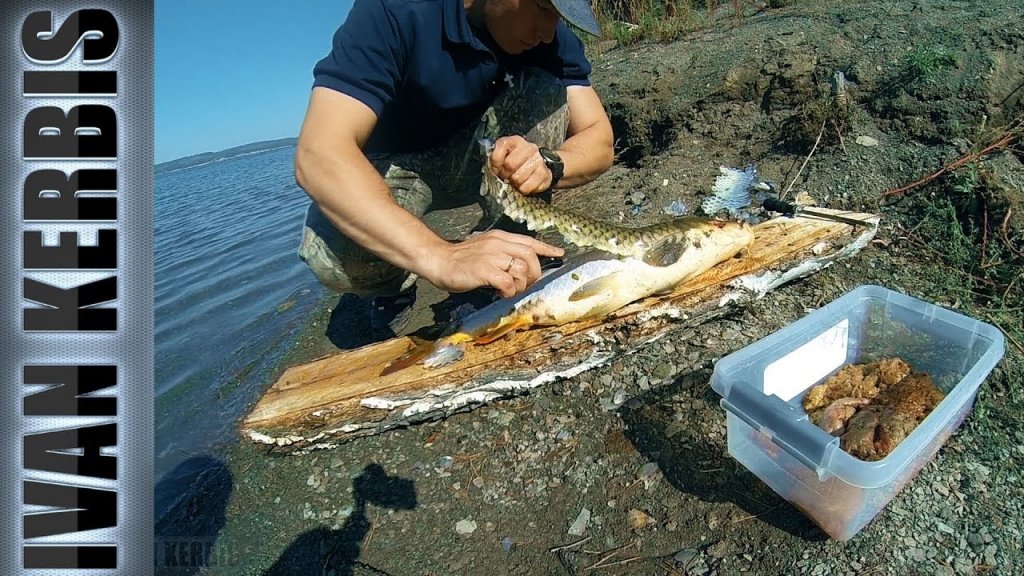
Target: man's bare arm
{"points": [[331, 167], [586, 152], [588, 148]]}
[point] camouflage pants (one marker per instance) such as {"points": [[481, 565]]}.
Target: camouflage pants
{"points": [[449, 176]]}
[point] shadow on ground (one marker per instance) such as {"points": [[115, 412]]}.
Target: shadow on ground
{"points": [[706, 471], [322, 550], [191, 501], [349, 325]]}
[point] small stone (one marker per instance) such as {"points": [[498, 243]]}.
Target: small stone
{"points": [[673, 428], [866, 141], [648, 470], [685, 556], [619, 397], [917, 555], [465, 527], [719, 549], [662, 371], [579, 526]]}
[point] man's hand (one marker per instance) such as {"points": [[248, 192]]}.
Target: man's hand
{"points": [[507, 262], [519, 163]]}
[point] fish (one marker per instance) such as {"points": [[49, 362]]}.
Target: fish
{"points": [[655, 244], [588, 286]]}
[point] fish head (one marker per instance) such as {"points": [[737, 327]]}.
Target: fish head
{"points": [[727, 235]]}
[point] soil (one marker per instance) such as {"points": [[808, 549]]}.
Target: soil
{"points": [[625, 469]]}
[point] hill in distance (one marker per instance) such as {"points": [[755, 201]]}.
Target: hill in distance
{"points": [[205, 157]]}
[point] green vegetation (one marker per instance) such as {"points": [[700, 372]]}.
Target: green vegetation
{"points": [[631, 22], [925, 64]]}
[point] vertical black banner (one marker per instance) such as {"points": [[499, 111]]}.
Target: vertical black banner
{"points": [[77, 288]]}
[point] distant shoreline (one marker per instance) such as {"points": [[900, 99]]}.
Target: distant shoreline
{"points": [[207, 157]]}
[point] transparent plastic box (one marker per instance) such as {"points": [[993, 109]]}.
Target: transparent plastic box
{"points": [[763, 385]]}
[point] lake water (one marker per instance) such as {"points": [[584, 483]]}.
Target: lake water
{"points": [[231, 294]]}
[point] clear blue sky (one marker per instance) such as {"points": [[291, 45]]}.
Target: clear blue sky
{"points": [[230, 72]]}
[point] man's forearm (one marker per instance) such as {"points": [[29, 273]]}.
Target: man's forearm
{"points": [[586, 155], [357, 201]]}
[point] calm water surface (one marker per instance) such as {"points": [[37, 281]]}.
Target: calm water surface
{"points": [[230, 295]]}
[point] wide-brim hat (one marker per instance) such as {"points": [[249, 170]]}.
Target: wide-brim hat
{"points": [[579, 14]]}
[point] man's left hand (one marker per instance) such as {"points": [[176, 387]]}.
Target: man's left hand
{"points": [[519, 163]]}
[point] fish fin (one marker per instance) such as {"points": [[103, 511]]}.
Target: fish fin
{"points": [[595, 287], [664, 252], [506, 326], [600, 311], [412, 356], [420, 351]]}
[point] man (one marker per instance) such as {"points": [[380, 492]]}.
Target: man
{"points": [[392, 132]]}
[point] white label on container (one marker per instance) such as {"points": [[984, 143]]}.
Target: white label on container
{"points": [[795, 372]]}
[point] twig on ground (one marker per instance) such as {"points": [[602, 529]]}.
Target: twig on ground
{"points": [[752, 516], [369, 534], [802, 166], [1006, 333], [611, 554], [1001, 143], [1006, 235], [984, 234], [616, 563], [1012, 282], [568, 546]]}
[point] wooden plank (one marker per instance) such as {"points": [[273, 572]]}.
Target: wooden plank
{"points": [[317, 404]]}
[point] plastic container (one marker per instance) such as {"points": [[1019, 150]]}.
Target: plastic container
{"points": [[763, 385]]}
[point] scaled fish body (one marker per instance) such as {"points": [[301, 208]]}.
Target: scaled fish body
{"points": [[589, 286], [583, 231]]}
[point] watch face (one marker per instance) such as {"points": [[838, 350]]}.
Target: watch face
{"points": [[550, 157]]}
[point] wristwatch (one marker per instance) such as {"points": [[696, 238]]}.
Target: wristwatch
{"points": [[554, 163]]}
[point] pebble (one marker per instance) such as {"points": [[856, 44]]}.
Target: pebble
{"points": [[867, 141], [662, 371], [465, 527], [685, 555], [579, 526]]}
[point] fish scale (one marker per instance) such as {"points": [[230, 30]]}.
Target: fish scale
{"points": [[583, 231]]}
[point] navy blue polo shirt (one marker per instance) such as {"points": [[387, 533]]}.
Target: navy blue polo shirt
{"points": [[426, 72]]}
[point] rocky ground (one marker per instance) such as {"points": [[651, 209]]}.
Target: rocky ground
{"points": [[625, 469]]}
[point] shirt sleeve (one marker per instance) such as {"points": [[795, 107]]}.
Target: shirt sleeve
{"points": [[366, 58], [564, 58]]}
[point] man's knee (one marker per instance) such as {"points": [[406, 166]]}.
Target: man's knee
{"points": [[343, 266]]}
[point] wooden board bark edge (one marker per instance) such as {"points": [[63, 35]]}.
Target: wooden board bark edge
{"points": [[339, 397]]}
